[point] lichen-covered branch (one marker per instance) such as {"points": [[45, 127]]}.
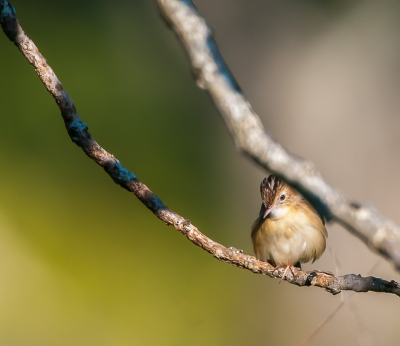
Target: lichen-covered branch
{"points": [[380, 234], [78, 131]]}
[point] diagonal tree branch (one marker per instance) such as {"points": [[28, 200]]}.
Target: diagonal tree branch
{"points": [[212, 74], [78, 131]]}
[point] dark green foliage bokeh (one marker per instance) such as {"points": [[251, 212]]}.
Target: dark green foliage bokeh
{"points": [[84, 262]]}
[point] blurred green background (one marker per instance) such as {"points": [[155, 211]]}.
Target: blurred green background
{"points": [[82, 262]]}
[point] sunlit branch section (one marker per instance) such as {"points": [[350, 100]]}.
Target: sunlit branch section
{"points": [[212, 74], [78, 131]]}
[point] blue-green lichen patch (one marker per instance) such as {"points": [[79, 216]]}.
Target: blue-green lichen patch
{"points": [[120, 174], [154, 203], [6, 10], [75, 129]]}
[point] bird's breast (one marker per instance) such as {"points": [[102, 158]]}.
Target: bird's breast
{"points": [[290, 239]]}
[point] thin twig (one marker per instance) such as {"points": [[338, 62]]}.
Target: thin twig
{"points": [[311, 336], [212, 74], [78, 131]]}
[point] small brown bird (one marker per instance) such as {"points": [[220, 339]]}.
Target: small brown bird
{"points": [[288, 231]]}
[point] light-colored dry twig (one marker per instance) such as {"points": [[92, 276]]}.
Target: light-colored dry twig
{"points": [[379, 233], [78, 131]]}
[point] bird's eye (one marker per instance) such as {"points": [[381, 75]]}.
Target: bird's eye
{"points": [[282, 197]]}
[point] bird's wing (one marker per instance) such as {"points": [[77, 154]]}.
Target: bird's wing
{"points": [[317, 218]]}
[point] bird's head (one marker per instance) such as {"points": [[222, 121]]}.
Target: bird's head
{"points": [[277, 198]]}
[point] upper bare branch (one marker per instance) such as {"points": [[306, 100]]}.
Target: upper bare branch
{"points": [[379, 233], [78, 131]]}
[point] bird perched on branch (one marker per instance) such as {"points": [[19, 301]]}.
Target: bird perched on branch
{"points": [[288, 231]]}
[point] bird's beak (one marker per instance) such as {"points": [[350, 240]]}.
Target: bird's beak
{"points": [[265, 210]]}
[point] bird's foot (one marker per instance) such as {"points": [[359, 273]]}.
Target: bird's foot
{"points": [[291, 267]]}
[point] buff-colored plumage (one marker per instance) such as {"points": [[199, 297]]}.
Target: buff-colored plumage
{"points": [[288, 230]]}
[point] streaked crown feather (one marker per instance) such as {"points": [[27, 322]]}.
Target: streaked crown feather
{"points": [[270, 187]]}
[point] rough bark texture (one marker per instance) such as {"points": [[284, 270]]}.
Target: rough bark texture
{"points": [[78, 131], [380, 234]]}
